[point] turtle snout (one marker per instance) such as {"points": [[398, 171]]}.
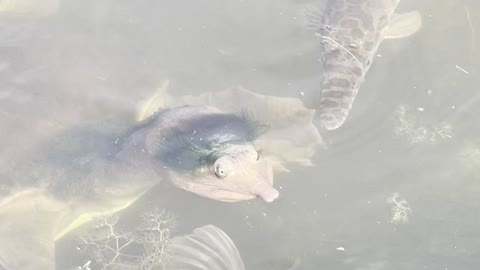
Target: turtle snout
{"points": [[264, 182]]}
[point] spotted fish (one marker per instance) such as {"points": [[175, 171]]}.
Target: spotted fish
{"points": [[350, 32]]}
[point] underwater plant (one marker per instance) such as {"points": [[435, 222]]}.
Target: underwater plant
{"points": [[400, 209], [142, 248], [408, 126], [152, 246]]}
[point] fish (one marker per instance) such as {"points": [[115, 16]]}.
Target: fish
{"points": [[350, 33]]}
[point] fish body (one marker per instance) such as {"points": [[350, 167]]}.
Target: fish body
{"points": [[350, 33]]}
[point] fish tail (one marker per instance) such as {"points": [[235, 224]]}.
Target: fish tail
{"points": [[337, 97]]}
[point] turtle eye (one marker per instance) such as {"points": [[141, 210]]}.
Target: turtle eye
{"points": [[224, 167], [220, 172]]}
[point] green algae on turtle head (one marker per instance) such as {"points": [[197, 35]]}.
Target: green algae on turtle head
{"points": [[207, 157]]}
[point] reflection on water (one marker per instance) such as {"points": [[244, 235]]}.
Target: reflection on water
{"points": [[396, 187]]}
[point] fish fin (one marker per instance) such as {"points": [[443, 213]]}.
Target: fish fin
{"points": [[403, 25], [208, 248], [313, 19]]}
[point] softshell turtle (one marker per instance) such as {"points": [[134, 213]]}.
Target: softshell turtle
{"points": [[205, 151], [203, 148]]}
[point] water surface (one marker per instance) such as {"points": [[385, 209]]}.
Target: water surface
{"points": [[75, 78]]}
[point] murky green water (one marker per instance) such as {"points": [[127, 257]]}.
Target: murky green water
{"points": [[397, 187]]}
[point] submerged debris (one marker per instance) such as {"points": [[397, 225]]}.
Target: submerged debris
{"points": [[408, 126], [400, 209]]}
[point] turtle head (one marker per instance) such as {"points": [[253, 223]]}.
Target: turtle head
{"points": [[234, 173], [205, 151]]}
